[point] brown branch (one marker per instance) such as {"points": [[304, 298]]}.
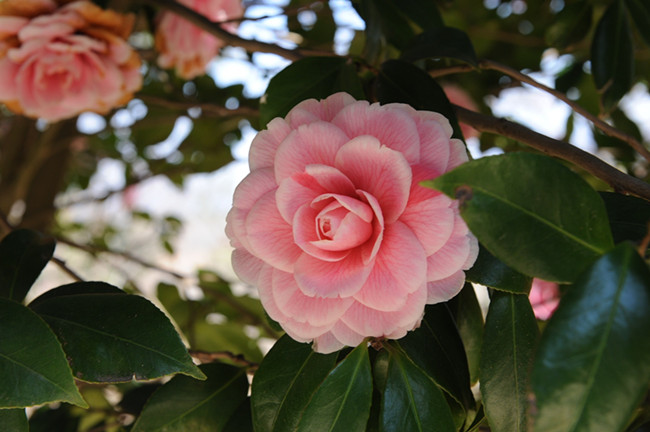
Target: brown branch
{"points": [[618, 180], [63, 266], [254, 319], [208, 108], [214, 28], [209, 357]]}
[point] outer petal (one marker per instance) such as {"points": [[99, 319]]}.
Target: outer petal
{"points": [[266, 143], [457, 154], [316, 311], [256, 184], [346, 335], [378, 170], [445, 289], [327, 343], [343, 278], [315, 143], [392, 127], [399, 270], [431, 220], [246, 266], [269, 236], [453, 256], [311, 110]]}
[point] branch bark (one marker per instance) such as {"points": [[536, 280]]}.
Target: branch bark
{"points": [[618, 180]]}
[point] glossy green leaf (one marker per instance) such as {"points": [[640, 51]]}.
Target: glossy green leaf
{"points": [[110, 336], [628, 216], [188, 405], [436, 348], [508, 350], [402, 82], [33, 367], [640, 13], [469, 320], [593, 362], [286, 380], [312, 77], [442, 42], [23, 254], [342, 402], [612, 55], [531, 212], [412, 401], [424, 13], [242, 418], [14, 420], [493, 273], [571, 25]]}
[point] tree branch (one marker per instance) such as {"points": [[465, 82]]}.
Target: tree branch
{"points": [[208, 108], [209, 357], [618, 180]]}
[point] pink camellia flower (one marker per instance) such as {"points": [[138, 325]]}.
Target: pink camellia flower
{"points": [[187, 48], [334, 228], [544, 297], [57, 60], [458, 96]]}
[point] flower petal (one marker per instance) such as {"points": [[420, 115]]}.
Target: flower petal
{"points": [[445, 289], [400, 269], [253, 187], [304, 234], [312, 110], [327, 343], [266, 143], [459, 251], [343, 278], [246, 266], [431, 220], [378, 170]]}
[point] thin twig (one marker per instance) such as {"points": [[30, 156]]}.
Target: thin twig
{"points": [[618, 180], [254, 319], [67, 270], [209, 357], [208, 108], [643, 247]]}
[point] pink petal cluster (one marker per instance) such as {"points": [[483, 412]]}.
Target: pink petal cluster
{"points": [[334, 228], [544, 297], [59, 60], [187, 48], [458, 96]]}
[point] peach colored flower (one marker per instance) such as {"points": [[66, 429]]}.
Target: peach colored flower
{"points": [[185, 47], [335, 230], [544, 297], [59, 60], [458, 96]]}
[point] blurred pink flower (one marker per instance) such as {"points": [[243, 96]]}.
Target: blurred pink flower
{"points": [[59, 60], [458, 96], [185, 47], [334, 228], [544, 297]]}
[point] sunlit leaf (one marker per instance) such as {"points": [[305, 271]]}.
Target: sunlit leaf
{"points": [[508, 349], [593, 362], [531, 212], [185, 404], [33, 367]]}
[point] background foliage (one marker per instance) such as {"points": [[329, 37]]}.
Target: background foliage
{"points": [[90, 356]]}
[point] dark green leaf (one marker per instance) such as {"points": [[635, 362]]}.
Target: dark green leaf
{"points": [[531, 212], [188, 405], [571, 25], [110, 336], [491, 272], [342, 402], [23, 254], [640, 13], [506, 358], [385, 22], [593, 363], [60, 419], [441, 42], [33, 368], [399, 81], [13, 420], [285, 382], [242, 419], [469, 320], [628, 216], [412, 401], [612, 55], [424, 13], [312, 77]]}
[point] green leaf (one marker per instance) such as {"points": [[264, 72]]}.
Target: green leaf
{"points": [[312, 77], [342, 402], [412, 401], [242, 419], [493, 273], [33, 368], [570, 25], [186, 404], [284, 383], [640, 13], [23, 254], [509, 343], [402, 82], [612, 55], [110, 336], [442, 42], [593, 362], [628, 216], [531, 212], [469, 321], [14, 420]]}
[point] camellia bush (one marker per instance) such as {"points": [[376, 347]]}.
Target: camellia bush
{"points": [[362, 233]]}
